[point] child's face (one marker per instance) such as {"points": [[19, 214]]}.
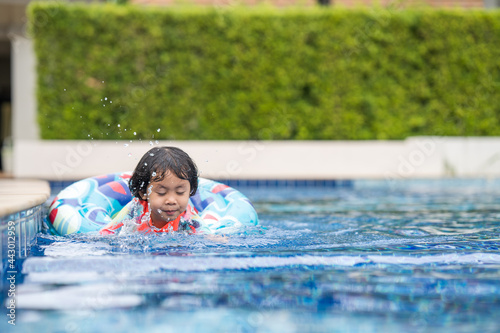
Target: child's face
{"points": [[167, 199]]}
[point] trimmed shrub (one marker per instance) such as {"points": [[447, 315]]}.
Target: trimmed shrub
{"points": [[126, 72]]}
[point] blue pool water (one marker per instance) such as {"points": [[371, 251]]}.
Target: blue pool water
{"points": [[376, 256]]}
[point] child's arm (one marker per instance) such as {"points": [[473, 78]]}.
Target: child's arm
{"points": [[115, 225]]}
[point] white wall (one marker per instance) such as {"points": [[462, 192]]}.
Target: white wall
{"points": [[417, 157], [25, 125]]}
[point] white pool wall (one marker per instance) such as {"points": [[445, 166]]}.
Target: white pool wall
{"points": [[416, 157]]}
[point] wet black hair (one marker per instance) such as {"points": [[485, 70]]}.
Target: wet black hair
{"points": [[157, 163]]}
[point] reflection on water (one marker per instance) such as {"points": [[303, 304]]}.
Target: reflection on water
{"points": [[377, 257]]}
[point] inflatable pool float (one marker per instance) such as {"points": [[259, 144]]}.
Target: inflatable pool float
{"points": [[90, 204]]}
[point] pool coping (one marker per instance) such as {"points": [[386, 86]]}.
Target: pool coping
{"points": [[21, 219], [20, 194]]}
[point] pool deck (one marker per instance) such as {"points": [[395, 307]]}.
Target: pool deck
{"points": [[20, 194]]}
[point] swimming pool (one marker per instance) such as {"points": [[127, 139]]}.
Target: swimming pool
{"points": [[372, 256]]}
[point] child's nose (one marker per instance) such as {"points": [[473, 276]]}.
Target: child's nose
{"points": [[170, 198]]}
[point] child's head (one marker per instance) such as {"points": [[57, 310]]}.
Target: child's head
{"points": [[158, 163]]}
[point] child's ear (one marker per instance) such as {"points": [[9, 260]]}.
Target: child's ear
{"points": [[143, 196]]}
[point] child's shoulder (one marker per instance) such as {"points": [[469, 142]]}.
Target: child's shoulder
{"points": [[133, 211]]}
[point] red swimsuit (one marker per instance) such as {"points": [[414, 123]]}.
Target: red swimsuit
{"points": [[146, 226]]}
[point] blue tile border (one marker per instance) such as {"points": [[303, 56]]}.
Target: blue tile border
{"points": [[59, 185], [17, 234], [25, 225], [287, 183]]}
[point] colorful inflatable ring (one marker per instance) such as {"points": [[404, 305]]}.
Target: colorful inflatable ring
{"points": [[91, 203]]}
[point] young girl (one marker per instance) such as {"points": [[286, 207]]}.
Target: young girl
{"points": [[161, 185]]}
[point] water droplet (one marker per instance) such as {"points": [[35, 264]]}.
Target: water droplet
{"points": [[64, 89], [118, 125], [125, 144], [150, 143], [158, 130], [129, 155], [135, 133], [111, 101], [105, 98], [156, 142]]}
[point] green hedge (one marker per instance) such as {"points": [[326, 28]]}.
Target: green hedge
{"points": [[123, 72]]}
